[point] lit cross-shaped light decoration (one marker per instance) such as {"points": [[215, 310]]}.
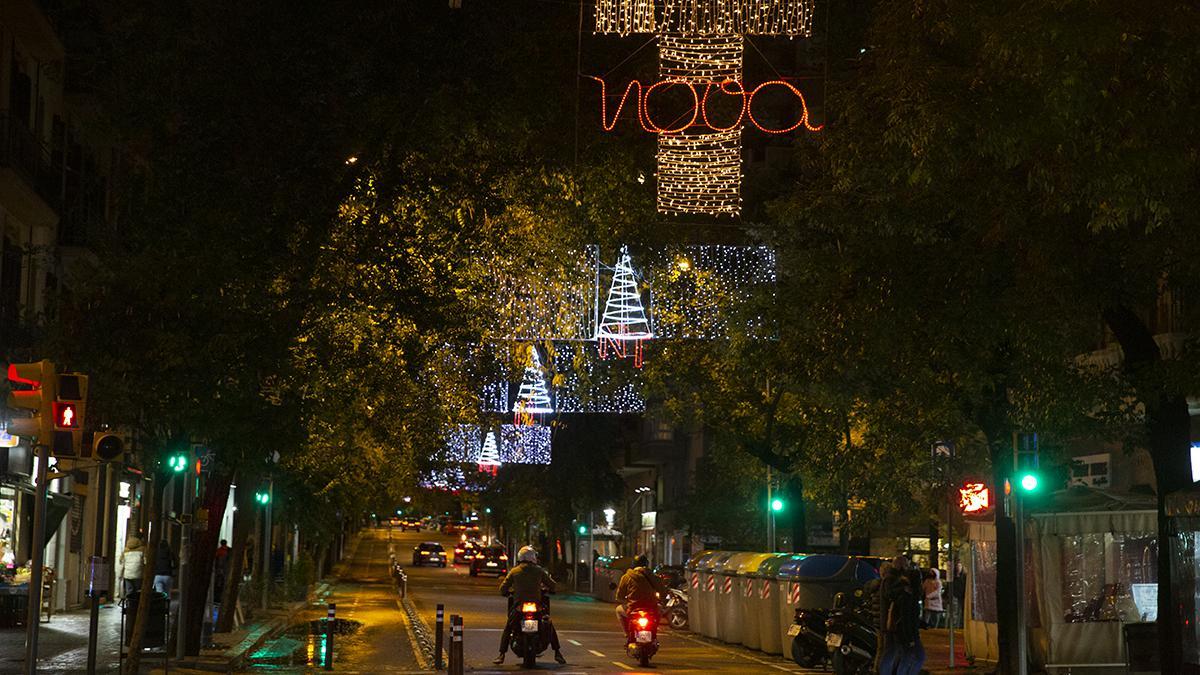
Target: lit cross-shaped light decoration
{"points": [[489, 455], [533, 398], [624, 325]]}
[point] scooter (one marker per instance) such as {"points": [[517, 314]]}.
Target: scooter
{"points": [[850, 636], [532, 637], [675, 609], [641, 634], [808, 637]]}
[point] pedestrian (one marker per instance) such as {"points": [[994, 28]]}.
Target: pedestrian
{"points": [[131, 565], [933, 598], [958, 588], [906, 623], [164, 568], [220, 570], [886, 650]]}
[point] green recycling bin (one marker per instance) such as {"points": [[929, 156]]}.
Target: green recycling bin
{"points": [[729, 594], [749, 599], [760, 606]]}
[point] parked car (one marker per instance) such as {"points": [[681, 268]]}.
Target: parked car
{"points": [[429, 553], [490, 560], [464, 552]]}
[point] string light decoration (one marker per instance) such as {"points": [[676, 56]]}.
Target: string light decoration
{"points": [[489, 455], [543, 300], [593, 386], [791, 18], [707, 292], [461, 443], [700, 173], [525, 444], [624, 326], [700, 59], [533, 398]]}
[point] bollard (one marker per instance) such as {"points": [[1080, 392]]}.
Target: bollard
{"points": [[456, 645], [329, 625], [438, 636], [403, 584]]}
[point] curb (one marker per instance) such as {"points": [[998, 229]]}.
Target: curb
{"points": [[424, 637]]}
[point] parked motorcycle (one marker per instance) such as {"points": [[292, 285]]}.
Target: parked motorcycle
{"points": [[851, 635], [532, 636], [641, 634], [808, 637], [675, 609]]}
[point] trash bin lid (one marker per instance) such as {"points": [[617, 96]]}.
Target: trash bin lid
{"points": [[710, 563], [865, 571], [748, 566], [693, 563], [818, 566], [769, 567], [733, 563]]}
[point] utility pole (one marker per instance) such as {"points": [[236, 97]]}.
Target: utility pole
{"points": [[592, 552], [39, 560], [185, 546], [770, 515], [98, 569], [266, 543]]}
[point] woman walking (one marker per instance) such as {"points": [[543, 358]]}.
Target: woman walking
{"points": [[132, 562]]}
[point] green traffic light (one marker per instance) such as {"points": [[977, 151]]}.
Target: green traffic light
{"points": [[583, 529], [777, 505], [487, 510], [177, 463], [262, 497], [1029, 482]]}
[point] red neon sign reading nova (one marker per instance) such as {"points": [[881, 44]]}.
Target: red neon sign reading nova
{"points": [[700, 91]]}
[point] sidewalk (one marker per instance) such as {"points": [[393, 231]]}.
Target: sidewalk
{"points": [[937, 653], [62, 643]]}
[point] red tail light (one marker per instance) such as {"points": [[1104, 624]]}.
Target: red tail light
{"points": [[642, 622], [529, 607]]}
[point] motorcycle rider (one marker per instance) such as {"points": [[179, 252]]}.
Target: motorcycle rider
{"points": [[638, 586], [525, 581]]}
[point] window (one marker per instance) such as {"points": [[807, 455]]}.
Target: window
{"points": [[1090, 470]]}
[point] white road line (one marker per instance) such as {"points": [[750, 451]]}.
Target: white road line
{"points": [[620, 665], [577, 644], [729, 651], [596, 653]]}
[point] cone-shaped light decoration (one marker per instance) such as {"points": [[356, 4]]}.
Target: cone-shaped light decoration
{"points": [[533, 398], [489, 455], [624, 326]]}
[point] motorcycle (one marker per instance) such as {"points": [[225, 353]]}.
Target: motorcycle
{"points": [[675, 609], [641, 634], [533, 632], [808, 637], [850, 636]]}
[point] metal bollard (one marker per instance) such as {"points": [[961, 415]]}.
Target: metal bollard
{"points": [[456, 645], [329, 630], [438, 636]]}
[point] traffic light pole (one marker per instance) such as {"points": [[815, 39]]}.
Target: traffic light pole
{"points": [[34, 620], [266, 542], [185, 545]]}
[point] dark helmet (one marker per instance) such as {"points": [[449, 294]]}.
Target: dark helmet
{"points": [[641, 561]]}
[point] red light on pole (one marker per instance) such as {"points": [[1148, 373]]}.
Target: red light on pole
{"points": [[65, 415], [974, 499]]}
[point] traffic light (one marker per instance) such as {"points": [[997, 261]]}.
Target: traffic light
{"points": [[777, 505], [69, 411], [107, 447], [1029, 481], [263, 495], [975, 498], [177, 462], [40, 380], [1027, 451], [582, 529]]}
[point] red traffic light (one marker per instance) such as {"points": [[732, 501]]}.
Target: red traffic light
{"points": [[974, 499], [65, 415]]}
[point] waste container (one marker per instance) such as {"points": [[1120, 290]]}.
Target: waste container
{"points": [[729, 594], [156, 618], [763, 603], [749, 633], [811, 581], [708, 592], [692, 574]]}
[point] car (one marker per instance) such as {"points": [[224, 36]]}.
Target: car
{"points": [[452, 527], [472, 531], [490, 560], [410, 524], [429, 553], [464, 552]]}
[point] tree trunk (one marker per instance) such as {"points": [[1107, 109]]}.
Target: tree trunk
{"points": [[133, 660], [1168, 428], [844, 530], [243, 521], [201, 560]]}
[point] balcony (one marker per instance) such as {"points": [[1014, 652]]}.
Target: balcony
{"points": [[23, 153]]}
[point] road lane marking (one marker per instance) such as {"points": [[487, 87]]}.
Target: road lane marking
{"points": [[728, 651], [620, 665], [577, 644], [596, 653]]}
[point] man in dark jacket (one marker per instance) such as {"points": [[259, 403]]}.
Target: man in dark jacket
{"points": [[638, 586], [526, 582], [164, 568]]}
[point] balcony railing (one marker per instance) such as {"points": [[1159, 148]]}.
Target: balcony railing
{"points": [[21, 150]]}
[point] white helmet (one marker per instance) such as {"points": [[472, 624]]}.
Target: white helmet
{"points": [[527, 554]]}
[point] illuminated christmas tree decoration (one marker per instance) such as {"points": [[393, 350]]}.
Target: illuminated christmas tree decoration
{"points": [[700, 173], [533, 398], [489, 455], [624, 325], [791, 18], [521, 444]]}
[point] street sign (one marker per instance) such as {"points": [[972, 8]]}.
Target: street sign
{"points": [[942, 449]]}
